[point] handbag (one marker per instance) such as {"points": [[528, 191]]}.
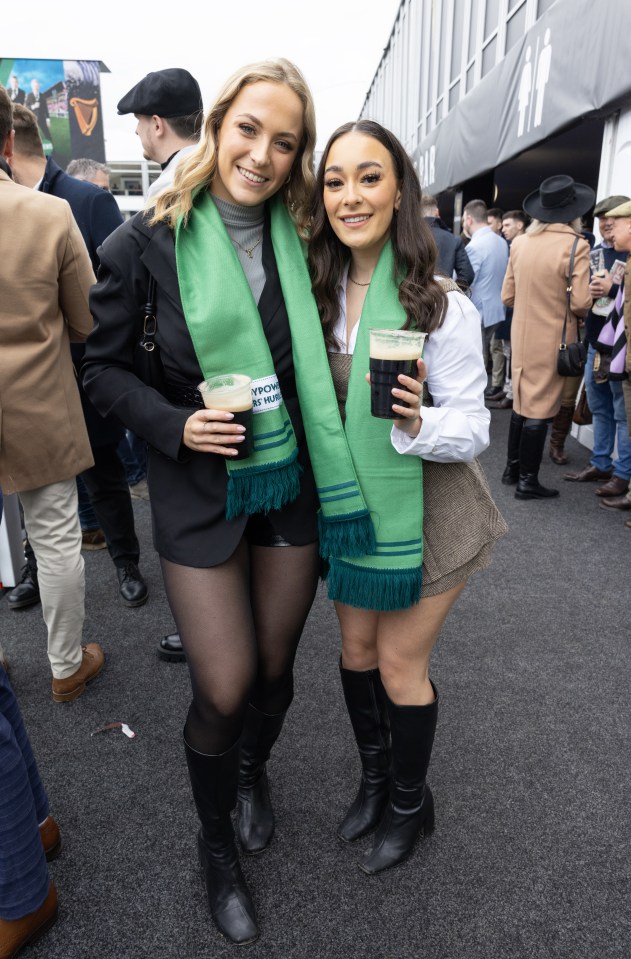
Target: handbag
{"points": [[147, 363], [571, 356], [582, 414]]}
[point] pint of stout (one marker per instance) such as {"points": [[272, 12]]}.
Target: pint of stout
{"points": [[391, 352], [232, 392]]}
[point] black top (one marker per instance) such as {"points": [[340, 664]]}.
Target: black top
{"points": [[187, 489]]}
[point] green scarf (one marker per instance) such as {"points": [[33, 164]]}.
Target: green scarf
{"points": [[388, 577], [216, 297]]}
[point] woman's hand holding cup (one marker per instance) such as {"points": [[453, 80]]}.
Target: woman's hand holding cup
{"points": [[213, 431], [410, 392]]}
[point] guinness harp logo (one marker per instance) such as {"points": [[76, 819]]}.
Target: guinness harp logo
{"points": [[86, 112]]}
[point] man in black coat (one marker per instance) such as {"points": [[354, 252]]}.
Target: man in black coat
{"points": [[452, 258], [97, 215]]}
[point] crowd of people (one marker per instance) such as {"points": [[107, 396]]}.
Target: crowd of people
{"points": [[520, 289], [245, 260]]}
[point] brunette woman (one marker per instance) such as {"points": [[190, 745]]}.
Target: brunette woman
{"points": [[372, 261], [237, 538]]}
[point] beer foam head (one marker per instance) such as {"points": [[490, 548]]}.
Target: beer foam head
{"points": [[231, 392], [396, 344]]}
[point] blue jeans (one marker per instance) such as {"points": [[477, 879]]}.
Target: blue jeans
{"points": [[133, 453], [609, 422], [23, 804]]}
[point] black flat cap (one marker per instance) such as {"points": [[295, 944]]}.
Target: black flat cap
{"points": [[165, 93]]}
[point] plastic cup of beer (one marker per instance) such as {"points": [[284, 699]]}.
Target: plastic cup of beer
{"points": [[232, 393], [392, 352]]}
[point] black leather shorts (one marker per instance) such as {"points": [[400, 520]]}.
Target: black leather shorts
{"points": [[259, 531]]}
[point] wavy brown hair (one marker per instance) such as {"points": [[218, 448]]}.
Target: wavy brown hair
{"points": [[198, 169], [420, 294]]}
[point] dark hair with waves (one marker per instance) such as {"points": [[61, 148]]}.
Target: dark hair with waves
{"points": [[421, 296]]}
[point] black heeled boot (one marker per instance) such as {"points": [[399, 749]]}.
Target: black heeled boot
{"points": [[410, 811], [214, 784], [511, 473], [255, 816], [364, 697], [533, 441]]}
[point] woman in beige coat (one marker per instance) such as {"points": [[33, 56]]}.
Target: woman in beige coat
{"points": [[535, 286]]}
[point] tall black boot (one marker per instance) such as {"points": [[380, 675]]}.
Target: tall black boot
{"points": [[214, 783], [533, 441], [410, 811], [365, 701], [511, 473], [255, 816]]}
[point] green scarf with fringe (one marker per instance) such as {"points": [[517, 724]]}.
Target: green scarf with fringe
{"points": [[390, 576], [216, 298]]}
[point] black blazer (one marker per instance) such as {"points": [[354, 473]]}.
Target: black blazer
{"points": [[187, 489], [452, 256]]}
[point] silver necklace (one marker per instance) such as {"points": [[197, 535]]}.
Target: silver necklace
{"points": [[251, 250], [356, 283]]}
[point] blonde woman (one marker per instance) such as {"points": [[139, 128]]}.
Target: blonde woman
{"points": [[240, 571]]}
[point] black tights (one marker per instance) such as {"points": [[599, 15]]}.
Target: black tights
{"points": [[240, 623]]}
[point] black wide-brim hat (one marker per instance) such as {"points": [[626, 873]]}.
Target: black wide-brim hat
{"points": [[164, 93], [559, 199]]}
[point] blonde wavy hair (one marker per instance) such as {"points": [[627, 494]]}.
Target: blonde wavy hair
{"points": [[198, 169], [538, 226]]}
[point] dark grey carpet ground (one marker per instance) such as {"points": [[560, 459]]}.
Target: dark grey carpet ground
{"points": [[531, 769]]}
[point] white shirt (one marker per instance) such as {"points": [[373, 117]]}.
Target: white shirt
{"points": [[456, 428], [168, 174]]}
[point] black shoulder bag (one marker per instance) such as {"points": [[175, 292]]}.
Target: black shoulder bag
{"points": [[571, 357], [147, 362]]}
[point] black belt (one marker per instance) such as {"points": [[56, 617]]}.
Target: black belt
{"points": [[184, 396], [189, 396]]}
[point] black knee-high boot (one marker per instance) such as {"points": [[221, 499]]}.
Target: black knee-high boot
{"points": [[214, 783], [255, 816], [511, 473], [365, 702], [410, 811], [533, 441]]}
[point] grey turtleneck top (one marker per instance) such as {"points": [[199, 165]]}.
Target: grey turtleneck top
{"points": [[245, 227]]}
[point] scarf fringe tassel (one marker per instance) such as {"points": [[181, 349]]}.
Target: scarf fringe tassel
{"points": [[380, 589], [346, 535], [262, 490]]}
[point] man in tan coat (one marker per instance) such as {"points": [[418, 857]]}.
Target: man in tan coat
{"points": [[45, 278]]}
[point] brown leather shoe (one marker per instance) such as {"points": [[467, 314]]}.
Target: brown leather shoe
{"points": [[627, 523], [17, 933], [615, 487], [65, 690], [588, 475], [617, 502], [51, 838]]}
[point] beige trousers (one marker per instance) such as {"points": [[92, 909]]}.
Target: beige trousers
{"points": [[52, 525]]}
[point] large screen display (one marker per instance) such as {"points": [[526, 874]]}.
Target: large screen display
{"points": [[65, 96]]}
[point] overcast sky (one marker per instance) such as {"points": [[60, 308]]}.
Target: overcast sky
{"points": [[337, 44]]}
